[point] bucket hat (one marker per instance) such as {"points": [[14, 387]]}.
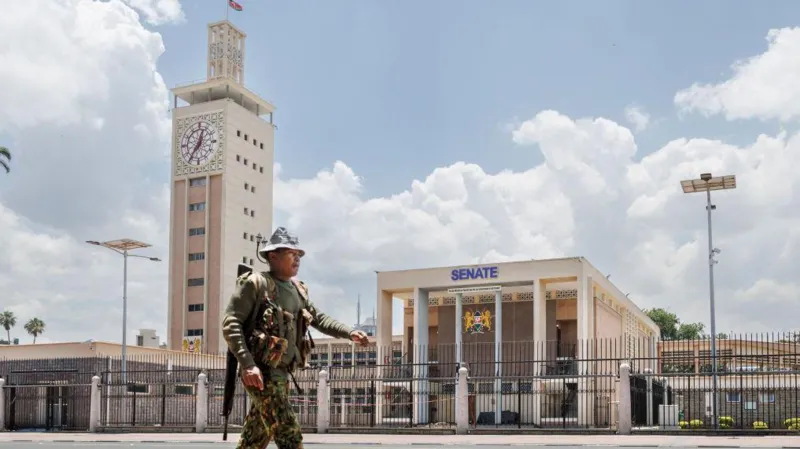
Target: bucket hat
{"points": [[281, 238]]}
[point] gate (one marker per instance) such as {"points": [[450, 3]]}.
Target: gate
{"points": [[47, 407], [639, 393]]}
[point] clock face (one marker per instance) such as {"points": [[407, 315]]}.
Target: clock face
{"points": [[199, 143]]}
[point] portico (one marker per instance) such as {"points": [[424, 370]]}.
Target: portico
{"points": [[481, 316]]}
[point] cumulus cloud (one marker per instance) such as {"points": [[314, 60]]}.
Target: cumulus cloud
{"points": [[637, 117], [593, 194], [762, 86], [87, 118]]}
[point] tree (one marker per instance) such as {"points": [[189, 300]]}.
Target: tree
{"points": [[35, 327], [672, 328], [8, 320], [5, 159]]}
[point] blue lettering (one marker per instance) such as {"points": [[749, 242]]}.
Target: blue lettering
{"points": [[462, 274]]}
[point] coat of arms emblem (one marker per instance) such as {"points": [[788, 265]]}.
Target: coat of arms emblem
{"points": [[477, 322]]}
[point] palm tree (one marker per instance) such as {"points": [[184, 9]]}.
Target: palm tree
{"points": [[5, 158], [8, 320], [35, 327]]}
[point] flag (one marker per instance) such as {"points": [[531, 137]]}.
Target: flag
{"points": [[234, 5]]}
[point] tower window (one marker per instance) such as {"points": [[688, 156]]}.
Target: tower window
{"points": [[245, 161], [238, 133], [197, 231], [254, 165], [255, 142], [246, 186], [245, 137], [196, 256], [244, 259], [194, 332], [253, 189], [238, 158], [246, 210], [252, 213], [244, 236], [251, 261], [261, 145], [196, 307], [195, 282], [197, 182], [197, 206]]}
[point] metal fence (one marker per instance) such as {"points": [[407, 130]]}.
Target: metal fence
{"points": [[549, 386]]}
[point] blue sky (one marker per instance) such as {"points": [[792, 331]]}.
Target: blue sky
{"points": [[396, 88]]}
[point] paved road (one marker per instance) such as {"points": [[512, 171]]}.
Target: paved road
{"points": [[225, 445]]}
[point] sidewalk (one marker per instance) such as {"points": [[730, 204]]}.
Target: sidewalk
{"points": [[688, 441]]}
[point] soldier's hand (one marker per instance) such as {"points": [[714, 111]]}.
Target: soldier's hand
{"points": [[359, 337], [252, 378]]}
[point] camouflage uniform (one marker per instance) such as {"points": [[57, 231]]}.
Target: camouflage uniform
{"points": [[277, 346]]}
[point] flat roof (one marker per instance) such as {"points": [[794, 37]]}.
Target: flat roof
{"points": [[482, 264], [205, 91]]}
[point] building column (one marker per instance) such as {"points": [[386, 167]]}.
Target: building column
{"points": [[586, 386], [383, 349], [539, 342], [498, 356], [420, 382], [459, 332]]}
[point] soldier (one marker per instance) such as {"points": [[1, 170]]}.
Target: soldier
{"points": [[266, 326]]}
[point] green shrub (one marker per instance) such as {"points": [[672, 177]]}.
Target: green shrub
{"points": [[792, 423], [696, 423], [683, 424], [725, 422], [760, 425]]}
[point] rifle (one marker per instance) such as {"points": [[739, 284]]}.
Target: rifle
{"points": [[231, 368]]}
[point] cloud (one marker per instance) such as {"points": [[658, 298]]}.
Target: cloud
{"points": [[88, 130], [637, 117], [159, 12], [763, 87], [86, 126]]}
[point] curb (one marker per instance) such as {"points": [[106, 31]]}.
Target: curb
{"points": [[376, 443]]}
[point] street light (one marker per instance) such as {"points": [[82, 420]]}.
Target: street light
{"points": [[122, 246], [706, 184]]}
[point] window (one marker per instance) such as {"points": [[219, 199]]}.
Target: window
{"points": [[238, 133], [196, 307], [252, 213], [254, 165], [245, 161], [193, 257], [246, 186], [245, 137], [139, 340], [138, 388], [255, 142], [253, 189], [197, 231], [734, 397], [194, 207], [767, 398], [195, 282], [251, 263], [197, 182], [184, 390], [194, 332], [238, 158], [244, 259], [244, 236], [252, 238], [261, 145], [246, 210], [261, 169]]}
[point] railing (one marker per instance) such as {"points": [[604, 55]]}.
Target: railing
{"points": [[552, 385]]}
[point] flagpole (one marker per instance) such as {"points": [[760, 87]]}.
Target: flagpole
{"points": [[227, 8]]}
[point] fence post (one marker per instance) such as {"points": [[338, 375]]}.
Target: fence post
{"points": [[201, 409], [624, 396], [2, 404], [94, 405], [462, 402], [323, 403], [649, 373]]}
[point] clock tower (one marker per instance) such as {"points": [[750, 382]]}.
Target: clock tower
{"points": [[222, 158]]}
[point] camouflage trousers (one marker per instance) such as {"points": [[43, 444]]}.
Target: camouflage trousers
{"points": [[270, 418]]}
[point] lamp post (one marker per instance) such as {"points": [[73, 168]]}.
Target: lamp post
{"points": [[123, 246], [706, 184]]}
